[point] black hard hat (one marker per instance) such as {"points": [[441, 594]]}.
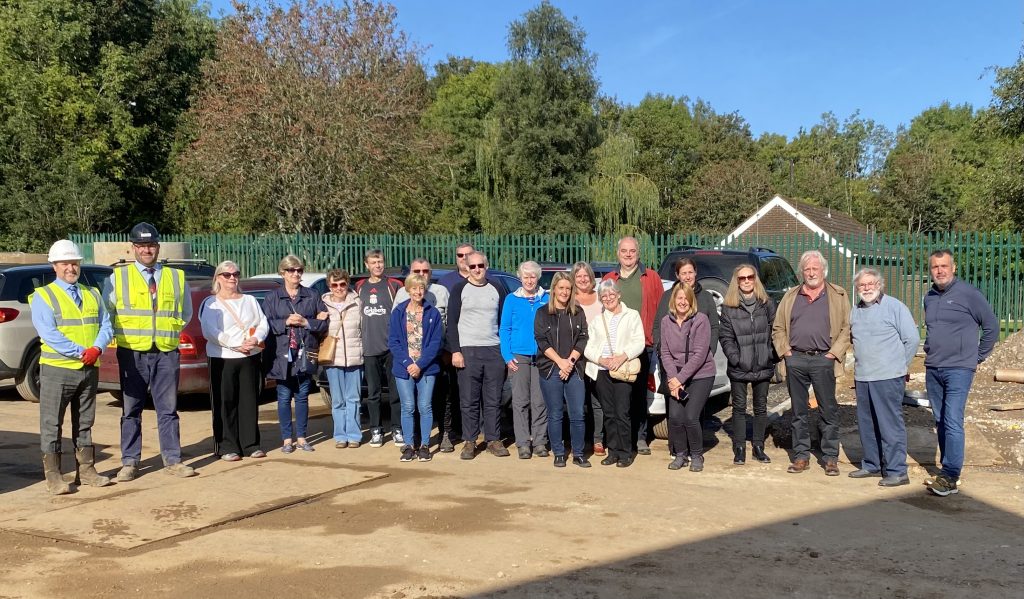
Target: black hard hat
{"points": [[144, 233]]}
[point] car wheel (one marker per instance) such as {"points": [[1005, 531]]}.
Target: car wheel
{"points": [[28, 383], [661, 429], [717, 289]]}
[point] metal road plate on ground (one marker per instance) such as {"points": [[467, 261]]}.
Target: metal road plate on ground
{"points": [[131, 519]]}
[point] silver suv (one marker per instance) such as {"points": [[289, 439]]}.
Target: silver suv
{"points": [[19, 343]]}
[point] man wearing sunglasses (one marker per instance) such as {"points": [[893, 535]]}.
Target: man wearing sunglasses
{"points": [[474, 311], [462, 270], [378, 296], [149, 304], [437, 296]]}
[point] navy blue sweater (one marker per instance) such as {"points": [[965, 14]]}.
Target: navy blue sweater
{"points": [[953, 317]]}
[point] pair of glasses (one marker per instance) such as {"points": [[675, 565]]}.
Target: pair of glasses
{"points": [[477, 266], [231, 275], [294, 270], [746, 278], [425, 271], [339, 285]]}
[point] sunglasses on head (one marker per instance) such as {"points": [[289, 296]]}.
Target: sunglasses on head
{"points": [[746, 277], [231, 275], [476, 266], [339, 285], [298, 270]]}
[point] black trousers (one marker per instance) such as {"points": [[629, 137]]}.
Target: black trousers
{"points": [[616, 399], [377, 369], [803, 371], [447, 414], [480, 384], [685, 436], [235, 402], [739, 410]]}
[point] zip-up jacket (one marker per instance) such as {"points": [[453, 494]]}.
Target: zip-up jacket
{"points": [[746, 339], [516, 328], [652, 289], [953, 317], [398, 341], [345, 323], [550, 330]]}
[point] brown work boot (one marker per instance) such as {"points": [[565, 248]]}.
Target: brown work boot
{"points": [[497, 449], [831, 467], [85, 458], [55, 484], [468, 450], [798, 466]]}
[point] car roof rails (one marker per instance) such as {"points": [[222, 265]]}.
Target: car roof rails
{"points": [[754, 249], [683, 248]]}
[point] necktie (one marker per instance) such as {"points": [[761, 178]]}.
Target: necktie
{"points": [[152, 286], [73, 290]]}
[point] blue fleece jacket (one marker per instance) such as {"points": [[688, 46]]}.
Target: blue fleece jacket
{"points": [[953, 316], [884, 339], [515, 332], [398, 341]]}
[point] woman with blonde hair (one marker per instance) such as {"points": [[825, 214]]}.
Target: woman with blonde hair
{"points": [[688, 372], [561, 333], [234, 327], [746, 337]]}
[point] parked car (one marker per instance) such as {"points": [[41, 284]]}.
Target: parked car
{"points": [[317, 281], [714, 271], [19, 343], [194, 377]]}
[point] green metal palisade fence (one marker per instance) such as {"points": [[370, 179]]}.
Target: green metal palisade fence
{"points": [[990, 261]]}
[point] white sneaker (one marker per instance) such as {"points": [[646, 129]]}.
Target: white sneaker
{"points": [[399, 438], [377, 438]]}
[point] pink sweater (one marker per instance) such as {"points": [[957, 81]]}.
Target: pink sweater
{"points": [[675, 362]]}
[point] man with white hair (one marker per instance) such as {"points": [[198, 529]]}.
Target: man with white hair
{"points": [[73, 326], [884, 343], [812, 333]]}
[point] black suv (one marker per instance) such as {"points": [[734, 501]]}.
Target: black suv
{"points": [[715, 266]]}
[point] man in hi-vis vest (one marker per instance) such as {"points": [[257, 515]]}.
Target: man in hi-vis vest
{"points": [[73, 327], [150, 304]]}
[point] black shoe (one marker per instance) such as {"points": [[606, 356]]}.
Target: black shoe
{"points": [[580, 461], [862, 473], [524, 453], [609, 461], [739, 453], [625, 462], [894, 481], [642, 448], [559, 461], [758, 452]]}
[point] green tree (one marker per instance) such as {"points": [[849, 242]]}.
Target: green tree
{"points": [[535, 159], [309, 122], [625, 202], [90, 96]]}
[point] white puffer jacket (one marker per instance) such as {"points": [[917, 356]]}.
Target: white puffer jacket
{"points": [[346, 317]]}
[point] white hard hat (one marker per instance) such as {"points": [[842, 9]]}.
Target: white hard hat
{"points": [[64, 250]]}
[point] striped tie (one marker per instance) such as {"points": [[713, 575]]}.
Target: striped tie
{"points": [[73, 290]]}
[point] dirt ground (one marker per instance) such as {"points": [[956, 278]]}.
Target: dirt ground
{"points": [[516, 528]]}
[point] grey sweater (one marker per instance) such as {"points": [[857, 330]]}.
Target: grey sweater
{"points": [[884, 339]]}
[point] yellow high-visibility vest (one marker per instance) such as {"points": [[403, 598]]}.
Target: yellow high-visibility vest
{"points": [[79, 325], [137, 326]]}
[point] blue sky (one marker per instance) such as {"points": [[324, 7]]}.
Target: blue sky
{"points": [[779, 63]]}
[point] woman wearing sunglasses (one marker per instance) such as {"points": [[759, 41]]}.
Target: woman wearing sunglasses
{"points": [[234, 327], [345, 372], [746, 336], [293, 311]]}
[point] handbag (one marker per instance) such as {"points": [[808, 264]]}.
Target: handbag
{"points": [[630, 368], [329, 346]]}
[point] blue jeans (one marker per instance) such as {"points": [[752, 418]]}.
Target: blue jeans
{"points": [[416, 394], [298, 386], [883, 435], [573, 392], [947, 393], [344, 384]]}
